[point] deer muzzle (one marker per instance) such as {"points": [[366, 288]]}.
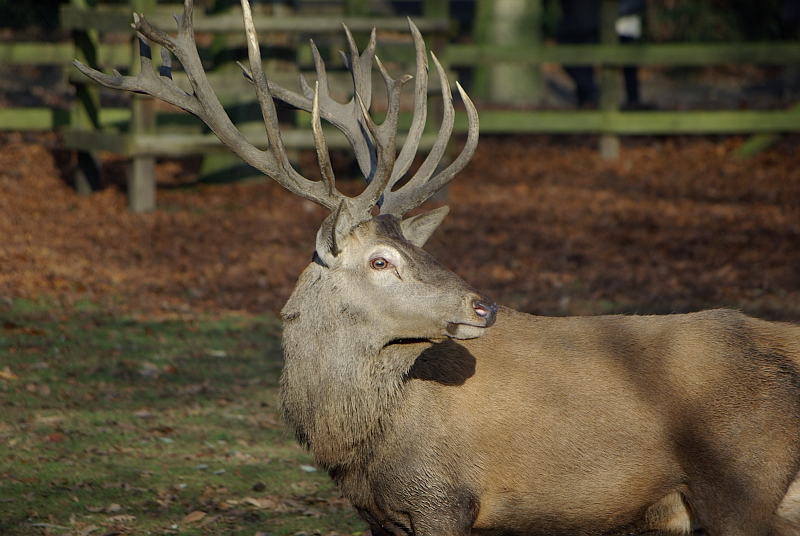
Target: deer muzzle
{"points": [[484, 314]]}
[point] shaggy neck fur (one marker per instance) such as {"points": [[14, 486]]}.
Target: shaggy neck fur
{"points": [[340, 381]]}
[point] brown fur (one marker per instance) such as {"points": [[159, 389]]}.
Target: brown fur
{"points": [[585, 425]]}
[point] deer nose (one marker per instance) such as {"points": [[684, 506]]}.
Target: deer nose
{"points": [[486, 311]]}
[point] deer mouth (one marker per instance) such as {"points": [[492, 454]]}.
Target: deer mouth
{"points": [[465, 331]]}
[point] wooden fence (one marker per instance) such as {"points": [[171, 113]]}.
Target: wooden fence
{"points": [[141, 133], [609, 121]]}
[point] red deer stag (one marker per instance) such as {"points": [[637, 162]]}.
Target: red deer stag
{"points": [[438, 413]]}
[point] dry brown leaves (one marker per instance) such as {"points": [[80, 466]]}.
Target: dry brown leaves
{"points": [[541, 224], [674, 225]]}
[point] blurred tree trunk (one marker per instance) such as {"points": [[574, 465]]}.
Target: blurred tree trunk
{"points": [[509, 23]]}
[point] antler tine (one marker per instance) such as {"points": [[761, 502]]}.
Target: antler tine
{"points": [[426, 170], [346, 117], [359, 67], [420, 187], [326, 195], [409, 150], [323, 156], [146, 81], [385, 137]]}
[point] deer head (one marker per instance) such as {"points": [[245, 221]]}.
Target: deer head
{"points": [[382, 254]]}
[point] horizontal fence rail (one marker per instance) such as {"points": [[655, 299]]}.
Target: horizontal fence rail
{"points": [[636, 123], [667, 54], [59, 54]]}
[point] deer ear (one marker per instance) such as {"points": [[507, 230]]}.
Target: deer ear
{"points": [[419, 229], [333, 234]]}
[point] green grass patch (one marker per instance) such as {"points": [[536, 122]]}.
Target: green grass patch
{"points": [[114, 425]]}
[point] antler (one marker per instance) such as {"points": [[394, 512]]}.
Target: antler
{"points": [[374, 145]]}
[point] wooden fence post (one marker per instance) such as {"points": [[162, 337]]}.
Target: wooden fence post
{"points": [[509, 23], [609, 84], [87, 107], [142, 179]]}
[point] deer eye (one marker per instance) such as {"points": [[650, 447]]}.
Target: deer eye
{"points": [[379, 263]]}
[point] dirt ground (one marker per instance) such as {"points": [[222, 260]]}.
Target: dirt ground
{"points": [[539, 223]]}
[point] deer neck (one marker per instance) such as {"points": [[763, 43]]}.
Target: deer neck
{"points": [[341, 380]]}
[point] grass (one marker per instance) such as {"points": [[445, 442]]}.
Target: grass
{"points": [[113, 425]]}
